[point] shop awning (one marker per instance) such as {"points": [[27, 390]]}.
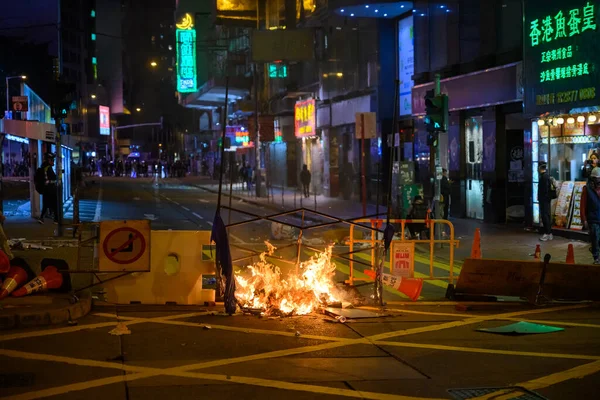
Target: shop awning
{"points": [[212, 94]]}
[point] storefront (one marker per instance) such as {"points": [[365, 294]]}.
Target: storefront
{"points": [[483, 147], [561, 76]]}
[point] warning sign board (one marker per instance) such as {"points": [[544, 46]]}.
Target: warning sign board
{"points": [[124, 246], [402, 261]]}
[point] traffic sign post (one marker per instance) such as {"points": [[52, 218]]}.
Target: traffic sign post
{"points": [[124, 246]]}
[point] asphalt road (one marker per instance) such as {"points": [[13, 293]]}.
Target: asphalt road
{"points": [[412, 353]]}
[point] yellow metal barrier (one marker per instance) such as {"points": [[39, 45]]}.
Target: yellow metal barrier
{"points": [[430, 223]]}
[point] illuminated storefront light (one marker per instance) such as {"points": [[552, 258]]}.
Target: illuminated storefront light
{"points": [[305, 118]]}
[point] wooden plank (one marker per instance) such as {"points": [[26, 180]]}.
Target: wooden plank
{"points": [[572, 282], [499, 277]]}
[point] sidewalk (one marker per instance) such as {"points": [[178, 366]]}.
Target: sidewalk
{"points": [[500, 241]]}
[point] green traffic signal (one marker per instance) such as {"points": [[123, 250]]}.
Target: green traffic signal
{"points": [[436, 110]]}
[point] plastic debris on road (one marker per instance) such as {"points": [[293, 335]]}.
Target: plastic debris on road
{"points": [[120, 329], [522, 328]]}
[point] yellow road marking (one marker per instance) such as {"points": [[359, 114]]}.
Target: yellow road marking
{"points": [[424, 312], [222, 327], [573, 373], [59, 390], [578, 372], [181, 371], [56, 331], [488, 351]]}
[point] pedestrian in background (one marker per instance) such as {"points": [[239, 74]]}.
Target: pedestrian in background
{"points": [[445, 192], [590, 211], [546, 193], [45, 184], [305, 180]]}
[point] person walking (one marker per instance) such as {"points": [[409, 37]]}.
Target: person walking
{"points": [[546, 193], [45, 184], [305, 179], [590, 211], [445, 191]]}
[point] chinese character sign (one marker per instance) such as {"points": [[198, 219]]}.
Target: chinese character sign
{"points": [[402, 256], [186, 60], [561, 54], [305, 121], [104, 114]]}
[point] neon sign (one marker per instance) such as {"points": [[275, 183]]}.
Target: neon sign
{"points": [[186, 55], [554, 28], [305, 118], [239, 135], [560, 57], [104, 113]]}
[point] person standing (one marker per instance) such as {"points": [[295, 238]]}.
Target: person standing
{"points": [[45, 181], [445, 191], [305, 179], [545, 195], [590, 211]]}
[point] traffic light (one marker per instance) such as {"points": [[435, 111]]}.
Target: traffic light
{"points": [[227, 142], [62, 97], [436, 112]]}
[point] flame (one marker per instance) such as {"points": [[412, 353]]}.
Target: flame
{"points": [[263, 286]]}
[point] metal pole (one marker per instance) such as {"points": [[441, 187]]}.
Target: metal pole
{"points": [[282, 188], [2, 175], [112, 143], [315, 194], [362, 165], [231, 159], [378, 176], [223, 142], [392, 151], [7, 97], [59, 175]]}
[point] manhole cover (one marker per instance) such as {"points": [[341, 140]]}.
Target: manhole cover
{"points": [[515, 392], [16, 380]]}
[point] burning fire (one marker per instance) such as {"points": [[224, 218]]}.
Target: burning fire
{"points": [[298, 294]]}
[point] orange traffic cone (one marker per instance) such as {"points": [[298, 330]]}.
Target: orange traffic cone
{"points": [[538, 252], [476, 248], [4, 263], [15, 277], [411, 287], [570, 254], [50, 278]]}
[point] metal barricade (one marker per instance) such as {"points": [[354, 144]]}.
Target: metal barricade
{"points": [[375, 226]]}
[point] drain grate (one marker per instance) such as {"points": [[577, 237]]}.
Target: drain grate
{"points": [[516, 392], [16, 380]]}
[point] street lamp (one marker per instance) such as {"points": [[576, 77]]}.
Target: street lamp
{"points": [[7, 96], [138, 109], [93, 96], [153, 64]]}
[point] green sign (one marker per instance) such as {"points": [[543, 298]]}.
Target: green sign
{"points": [[278, 71], [561, 55], [186, 60]]}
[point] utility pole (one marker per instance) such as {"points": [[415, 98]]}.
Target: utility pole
{"points": [[59, 176]]}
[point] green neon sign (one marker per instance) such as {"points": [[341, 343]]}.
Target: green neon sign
{"points": [[278, 71], [557, 27], [186, 60]]}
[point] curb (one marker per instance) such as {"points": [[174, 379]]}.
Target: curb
{"points": [[47, 317]]}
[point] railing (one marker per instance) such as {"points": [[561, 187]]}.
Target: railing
{"points": [[430, 225]]}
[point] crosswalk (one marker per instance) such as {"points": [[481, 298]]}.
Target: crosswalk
{"points": [[87, 210]]}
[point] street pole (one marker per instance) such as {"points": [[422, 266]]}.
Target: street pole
{"points": [[1, 175], [362, 164], [112, 143], [59, 183], [438, 187], [7, 97]]}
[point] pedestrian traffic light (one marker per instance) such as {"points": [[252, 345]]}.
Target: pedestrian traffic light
{"points": [[436, 112], [227, 142], [62, 95]]}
